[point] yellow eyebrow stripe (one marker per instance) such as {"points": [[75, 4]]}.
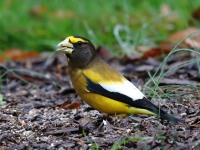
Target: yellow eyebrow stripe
{"points": [[75, 39]]}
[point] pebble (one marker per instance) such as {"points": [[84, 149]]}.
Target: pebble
{"points": [[29, 134], [33, 112]]}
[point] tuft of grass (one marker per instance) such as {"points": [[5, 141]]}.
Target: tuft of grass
{"points": [[93, 146], [1, 100], [123, 140], [153, 83]]}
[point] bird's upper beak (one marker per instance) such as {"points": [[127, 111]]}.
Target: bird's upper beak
{"points": [[65, 47]]}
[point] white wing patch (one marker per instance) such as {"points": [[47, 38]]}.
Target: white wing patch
{"points": [[125, 88]]}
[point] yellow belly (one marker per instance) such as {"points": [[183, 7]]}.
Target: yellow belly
{"points": [[111, 107], [104, 104]]}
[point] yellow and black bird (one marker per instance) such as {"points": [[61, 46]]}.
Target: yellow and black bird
{"points": [[101, 86]]}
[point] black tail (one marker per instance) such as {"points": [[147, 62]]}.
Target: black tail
{"points": [[146, 104], [169, 117]]}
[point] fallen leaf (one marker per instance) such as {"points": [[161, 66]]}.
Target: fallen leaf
{"points": [[73, 106], [155, 52], [17, 55], [190, 39], [66, 105]]}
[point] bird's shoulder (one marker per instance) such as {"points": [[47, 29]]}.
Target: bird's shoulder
{"points": [[98, 71]]}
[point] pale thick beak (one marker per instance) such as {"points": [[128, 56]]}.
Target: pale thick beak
{"points": [[65, 47]]}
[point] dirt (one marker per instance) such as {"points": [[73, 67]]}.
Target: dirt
{"points": [[42, 111]]}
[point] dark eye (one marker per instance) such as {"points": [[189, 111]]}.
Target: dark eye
{"points": [[79, 43]]}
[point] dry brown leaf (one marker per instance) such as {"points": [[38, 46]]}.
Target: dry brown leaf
{"points": [[155, 52], [190, 37], [16, 54], [73, 105], [66, 105]]}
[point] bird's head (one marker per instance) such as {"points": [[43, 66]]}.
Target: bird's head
{"points": [[79, 50]]}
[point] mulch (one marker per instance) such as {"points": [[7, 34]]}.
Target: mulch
{"points": [[42, 111]]}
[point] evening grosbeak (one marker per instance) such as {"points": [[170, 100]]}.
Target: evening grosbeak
{"points": [[101, 86]]}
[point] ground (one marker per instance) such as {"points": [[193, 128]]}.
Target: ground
{"points": [[42, 111]]}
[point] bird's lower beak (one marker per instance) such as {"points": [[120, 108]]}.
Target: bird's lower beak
{"points": [[65, 47]]}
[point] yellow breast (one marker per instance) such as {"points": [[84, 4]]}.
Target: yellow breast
{"points": [[98, 102]]}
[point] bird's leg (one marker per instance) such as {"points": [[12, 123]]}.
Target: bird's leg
{"points": [[105, 125]]}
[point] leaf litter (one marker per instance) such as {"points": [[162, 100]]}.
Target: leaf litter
{"points": [[42, 111]]}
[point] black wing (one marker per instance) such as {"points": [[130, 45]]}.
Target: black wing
{"points": [[140, 103], [98, 89]]}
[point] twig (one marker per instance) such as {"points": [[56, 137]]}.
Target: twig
{"points": [[32, 74], [62, 132], [24, 72], [189, 145]]}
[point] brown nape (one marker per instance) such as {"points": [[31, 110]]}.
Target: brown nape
{"points": [[82, 54]]}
